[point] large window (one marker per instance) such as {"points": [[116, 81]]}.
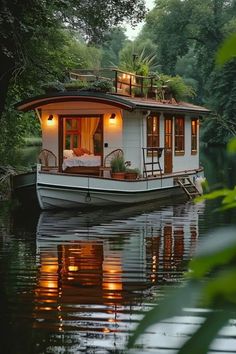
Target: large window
{"points": [[84, 132], [179, 136], [194, 125], [153, 131]]}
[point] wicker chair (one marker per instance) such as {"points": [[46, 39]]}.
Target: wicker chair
{"points": [[107, 162], [48, 160]]}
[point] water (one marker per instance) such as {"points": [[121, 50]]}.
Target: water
{"points": [[79, 282]]}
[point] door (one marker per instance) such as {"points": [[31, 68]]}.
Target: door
{"points": [[84, 132], [168, 152]]}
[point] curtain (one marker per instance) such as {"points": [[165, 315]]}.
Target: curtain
{"points": [[88, 128]]}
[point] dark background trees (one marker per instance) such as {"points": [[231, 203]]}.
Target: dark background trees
{"points": [[187, 34]]}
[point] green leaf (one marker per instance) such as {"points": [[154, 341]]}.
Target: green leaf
{"points": [[227, 51], [231, 146], [187, 296], [213, 195], [217, 249], [221, 289], [202, 338]]}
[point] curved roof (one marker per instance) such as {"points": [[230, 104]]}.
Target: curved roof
{"points": [[70, 96], [124, 102]]}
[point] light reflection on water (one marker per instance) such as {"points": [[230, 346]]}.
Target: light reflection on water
{"points": [[79, 282]]}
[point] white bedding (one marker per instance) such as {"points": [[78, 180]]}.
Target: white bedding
{"points": [[84, 160]]}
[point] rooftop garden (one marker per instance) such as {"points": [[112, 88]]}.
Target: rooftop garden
{"points": [[120, 82]]}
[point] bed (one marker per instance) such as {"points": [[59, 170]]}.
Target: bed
{"points": [[84, 163]]}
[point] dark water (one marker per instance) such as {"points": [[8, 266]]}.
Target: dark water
{"points": [[74, 282], [78, 282]]}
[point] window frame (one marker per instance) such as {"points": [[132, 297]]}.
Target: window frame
{"points": [[179, 136], [152, 134], [194, 136]]}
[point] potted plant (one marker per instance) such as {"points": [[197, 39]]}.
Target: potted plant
{"points": [[131, 173], [118, 167]]}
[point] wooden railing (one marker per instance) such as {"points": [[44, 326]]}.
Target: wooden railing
{"points": [[124, 83]]}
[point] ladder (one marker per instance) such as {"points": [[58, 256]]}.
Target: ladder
{"points": [[188, 186]]}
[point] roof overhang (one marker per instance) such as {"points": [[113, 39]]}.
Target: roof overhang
{"points": [[40, 101], [123, 102], [171, 108]]}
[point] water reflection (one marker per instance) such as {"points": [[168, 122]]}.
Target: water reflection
{"points": [[96, 271]]}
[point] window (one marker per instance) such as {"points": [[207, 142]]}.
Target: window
{"points": [[179, 136], [194, 125], [72, 133], [153, 131]]}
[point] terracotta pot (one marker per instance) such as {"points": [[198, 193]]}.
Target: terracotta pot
{"points": [[131, 175], [118, 175]]}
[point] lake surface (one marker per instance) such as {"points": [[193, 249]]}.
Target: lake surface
{"points": [[79, 282]]}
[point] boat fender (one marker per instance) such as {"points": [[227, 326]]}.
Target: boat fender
{"points": [[198, 183]]}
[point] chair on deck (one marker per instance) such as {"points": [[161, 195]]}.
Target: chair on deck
{"points": [[48, 160], [107, 162]]}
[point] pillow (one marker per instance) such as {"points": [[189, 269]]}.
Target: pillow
{"points": [[68, 154], [78, 151], [81, 151], [86, 151]]}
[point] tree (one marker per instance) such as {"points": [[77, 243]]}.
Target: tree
{"points": [[24, 25], [190, 32]]}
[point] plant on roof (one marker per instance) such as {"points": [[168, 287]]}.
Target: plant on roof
{"points": [[76, 85], [140, 61], [53, 86], [101, 85], [173, 86]]}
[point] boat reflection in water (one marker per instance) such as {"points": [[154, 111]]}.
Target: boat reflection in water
{"points": [[97, 271]]}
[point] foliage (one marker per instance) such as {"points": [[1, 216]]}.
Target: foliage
{"points": [[227, 51], [76, 84], [24, 28], [118, 164], [114, 41], [188, 34], [138, 92], [101, 85], [175, 85], [140, 60]]}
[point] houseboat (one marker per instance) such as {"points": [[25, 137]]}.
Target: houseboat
{"points": [[103, 127]]}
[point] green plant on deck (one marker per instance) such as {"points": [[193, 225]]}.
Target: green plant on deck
{"points": [[118, 164]]}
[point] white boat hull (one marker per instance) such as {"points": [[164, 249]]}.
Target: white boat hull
{"points": [[58, 190]]}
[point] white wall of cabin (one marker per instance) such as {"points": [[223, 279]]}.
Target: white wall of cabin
{"points": [[128, 131]]}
